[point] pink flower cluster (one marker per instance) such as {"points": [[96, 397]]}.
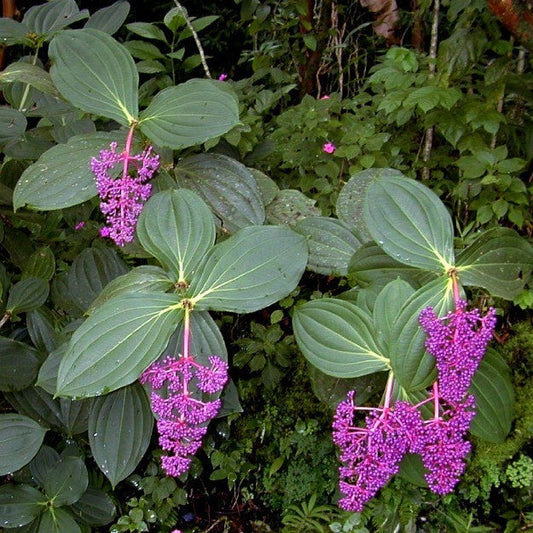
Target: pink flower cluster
{"points": [[371, 455], [182, 414], [123, 198], [458, 343]]}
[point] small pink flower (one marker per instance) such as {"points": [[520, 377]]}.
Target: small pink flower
{"points": [[223, 77], [329, 148], [79, 225], [325, 97]]}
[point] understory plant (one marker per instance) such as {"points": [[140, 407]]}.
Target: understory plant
{"points": [[153, 286]]}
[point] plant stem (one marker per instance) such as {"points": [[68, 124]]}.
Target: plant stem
{"points": [[195, 36], [28, 87]]}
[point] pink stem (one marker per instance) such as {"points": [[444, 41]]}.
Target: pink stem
{"points": [[436, 400]]}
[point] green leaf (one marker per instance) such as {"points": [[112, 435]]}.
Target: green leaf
{"points": [[494, 394], [331, 244], [19, 364], [338, 338], [147, 30], [90, 272], [19, 504], [370, 265], [62, 176], [252, 269], [177, 228], [227, 186], [95, 73], [13, 32], [144, 278], [109, 19], [26, 295], [12, 124], [57, 521], [66, 481], [289, 206], [42, 463], [499, 260], [120, 429], [41, 329], [20, 440], [116, 343], [36, 404], [47, 18], [95, 508], [412, 366], [41, 264], [410, 223], [190, 113], [350, 202], [387, 308], [47, 378], [30, 74]]}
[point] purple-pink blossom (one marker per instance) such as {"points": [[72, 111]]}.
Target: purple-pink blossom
{"points": [[443, 445], [123, 197], [223, 77], [458, 342], [181, 411], [329, 148], [371, 455]]}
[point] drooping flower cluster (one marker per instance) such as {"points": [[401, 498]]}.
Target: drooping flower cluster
{"points": [[123, 197], [458, 343], [443, 446], [370, 455], [182, 415]]}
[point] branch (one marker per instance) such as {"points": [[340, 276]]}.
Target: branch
{"points": [[195, 36], [428, 145]]}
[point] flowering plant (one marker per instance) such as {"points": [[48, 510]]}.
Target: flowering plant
{"points": [[423, 337]]}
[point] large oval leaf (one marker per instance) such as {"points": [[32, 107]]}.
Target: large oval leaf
{"points": [[62, 176], [144, 278], [351, 199], [494, 394], [387, 308], [109, 19], [338, 338], [120, 428], [95, 73], [189, 114], [95, 507], [33, 75], [412, 366], [60, 521], [20, 440], [254, 268], [331, 244], [371, 266], [19, 505], [37, 404], [178, 229], [12, 124], [26, 295], [47, 18], [227, 186], [499, 260], [410, 223], [90, 272], [116, 343], [19, 364], [66, 480]]}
